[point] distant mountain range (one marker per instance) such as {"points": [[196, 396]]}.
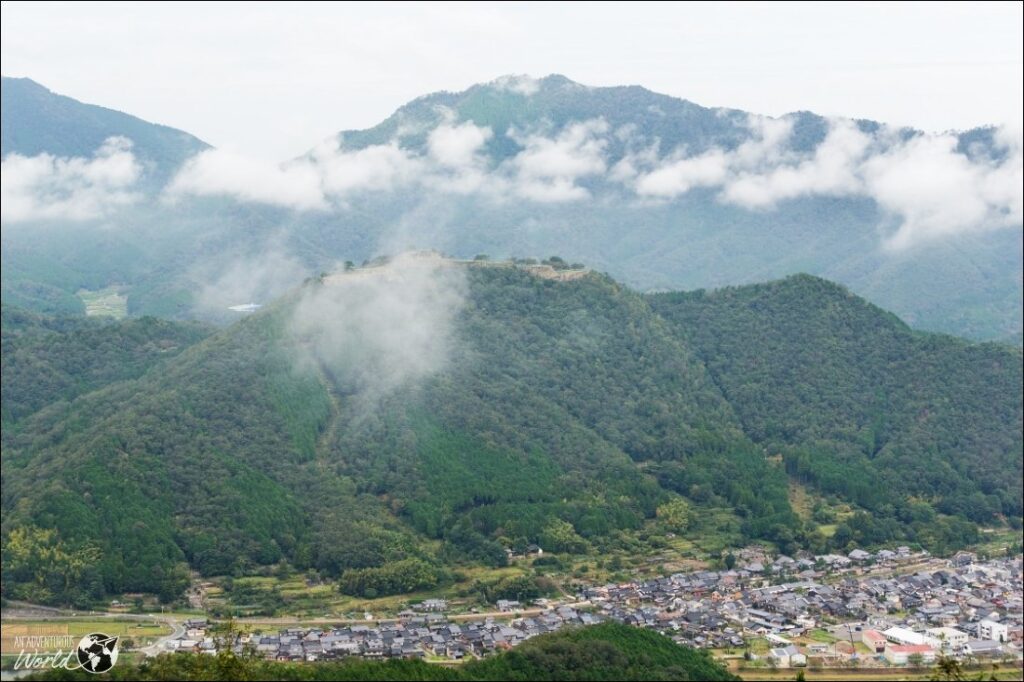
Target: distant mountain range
{"points": [[384, 423], [35, 121], [621, 178]]}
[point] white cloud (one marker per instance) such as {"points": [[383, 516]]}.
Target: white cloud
{"points": [[46, 187], [377, 167], [304, 184], [524, 85], [936, 192], [378, 329], [458, 146], [255, 277], [924, 183], [547, 169], [831, 170], [678, 174], [928, 187], [221, 172]]}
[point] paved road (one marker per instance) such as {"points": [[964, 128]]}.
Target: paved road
{"points": [[157, 647]]}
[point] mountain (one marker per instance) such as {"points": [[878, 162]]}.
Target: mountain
{"points": [[555, 174], [35, 121], [388, 422], [839, 386]]}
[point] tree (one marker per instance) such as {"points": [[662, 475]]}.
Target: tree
{"points": [[675, 514], [948, 668], [730, 561]]}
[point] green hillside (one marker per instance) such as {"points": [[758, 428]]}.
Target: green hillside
{"points": [[35, 121], [565, 413], [47, 360], [859, 404]]}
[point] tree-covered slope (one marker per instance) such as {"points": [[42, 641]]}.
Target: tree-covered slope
{"points": [[386, 423], [35, 121], [52, 359], [600, 652], [247, 448], [857, 402]]}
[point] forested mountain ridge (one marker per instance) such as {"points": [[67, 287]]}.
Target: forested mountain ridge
{"points": [[557, 171], [36, 120], [860, 404], [382, 424]]}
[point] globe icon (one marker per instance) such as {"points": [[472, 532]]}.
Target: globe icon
{"points": [[97, 652]]}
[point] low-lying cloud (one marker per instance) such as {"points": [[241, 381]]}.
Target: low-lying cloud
{"points": [[47, 187], [924, 182], [375, 330], [929, 187], [257, 278], [546, 170]]}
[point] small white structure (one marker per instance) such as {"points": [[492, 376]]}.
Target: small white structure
{"points": [[788, 657]]}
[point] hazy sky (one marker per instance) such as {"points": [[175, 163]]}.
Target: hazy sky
{"points": [[273, 80]]}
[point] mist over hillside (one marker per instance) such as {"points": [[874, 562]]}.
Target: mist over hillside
{"points": [[660, 192]]}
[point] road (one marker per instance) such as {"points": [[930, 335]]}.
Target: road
{"points": [[157, 647]]}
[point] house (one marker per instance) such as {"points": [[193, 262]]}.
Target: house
{"points": [[874, 640], [788, 657], [991, 630], [947, 639], [434, 605], [904, 636], [195, 628], [900, 654], [508, 605], [859, 556], [961, 559], [983, 648]]}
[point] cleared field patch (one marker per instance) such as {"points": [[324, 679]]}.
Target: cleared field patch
{"points": [[108, 302]]}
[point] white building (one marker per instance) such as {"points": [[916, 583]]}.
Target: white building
{"points": [[904, 636], [991, 630], [949, 640], [788, 657], [900, 654]]}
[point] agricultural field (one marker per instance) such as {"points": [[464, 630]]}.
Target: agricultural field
{"points": [[108, 302], [65, 632]]}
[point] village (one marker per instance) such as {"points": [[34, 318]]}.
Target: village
{"points": [[893, 608]]}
